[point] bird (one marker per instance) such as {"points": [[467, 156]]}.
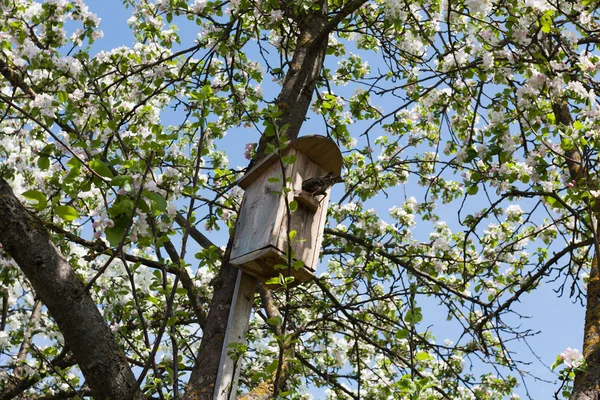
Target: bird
{"points": [[318, 185]]}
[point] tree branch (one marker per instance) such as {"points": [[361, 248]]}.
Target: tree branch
{"points": [[197, 235], [95, 349], [348, 9]]}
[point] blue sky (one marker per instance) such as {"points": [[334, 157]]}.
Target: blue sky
{"points": [[559, 320]]}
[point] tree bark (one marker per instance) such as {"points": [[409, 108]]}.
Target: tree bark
{"points": [[94, 348], [587, 383], [301, 78], [204, 375]]}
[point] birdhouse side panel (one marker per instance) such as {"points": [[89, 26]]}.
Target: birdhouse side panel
{"points": [[305, 220], [260, 216], [318, 226]]}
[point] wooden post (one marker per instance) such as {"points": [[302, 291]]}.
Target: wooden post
{"points": [[237, 326]]}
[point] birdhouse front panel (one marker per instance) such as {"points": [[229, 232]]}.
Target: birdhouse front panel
{"points": [[307, 218]]}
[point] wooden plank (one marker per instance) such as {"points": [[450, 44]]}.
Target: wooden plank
{"points": [[260, 215], [307, 200], [320, 149], [256, 171], [237, 326], [241, 260], [261, 265], [318, 226]]}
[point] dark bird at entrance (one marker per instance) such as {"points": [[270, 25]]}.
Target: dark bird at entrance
{"points": [[319, 185]]}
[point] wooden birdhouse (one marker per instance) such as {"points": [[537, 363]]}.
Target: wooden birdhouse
{"points": [[261, 235]]}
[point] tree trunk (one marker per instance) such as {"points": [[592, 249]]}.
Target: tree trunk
{"points": [[301, 78], [587, 384], [62, 292]]}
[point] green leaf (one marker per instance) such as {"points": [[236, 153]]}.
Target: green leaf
{"points": [[297, 264], [101, 169], [74, 163], [546, 27], [38, 197], [157, 198], [43, 163], [577, 125], [402, 334], [63, 97], [271, 368], [274, 321], [269, 131], [203, 94], [270, 149], [115, 234], [552, 201], [121, 180], [73, 173], [292, 234], [423, 356], [67, 213], [274, 180], [546, 21], [472, 190], [273, 281], [123, 205], [287, 160], [169, 17], [293, 205], [413, 316], [143, 206]]}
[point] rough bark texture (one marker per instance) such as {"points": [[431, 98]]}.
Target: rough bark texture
{"points": [[204, 375], [86, 334], [301, 78], [587, 384], [264, 391]]}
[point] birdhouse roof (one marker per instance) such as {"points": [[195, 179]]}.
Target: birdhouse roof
{"points": [[320, 149]]}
